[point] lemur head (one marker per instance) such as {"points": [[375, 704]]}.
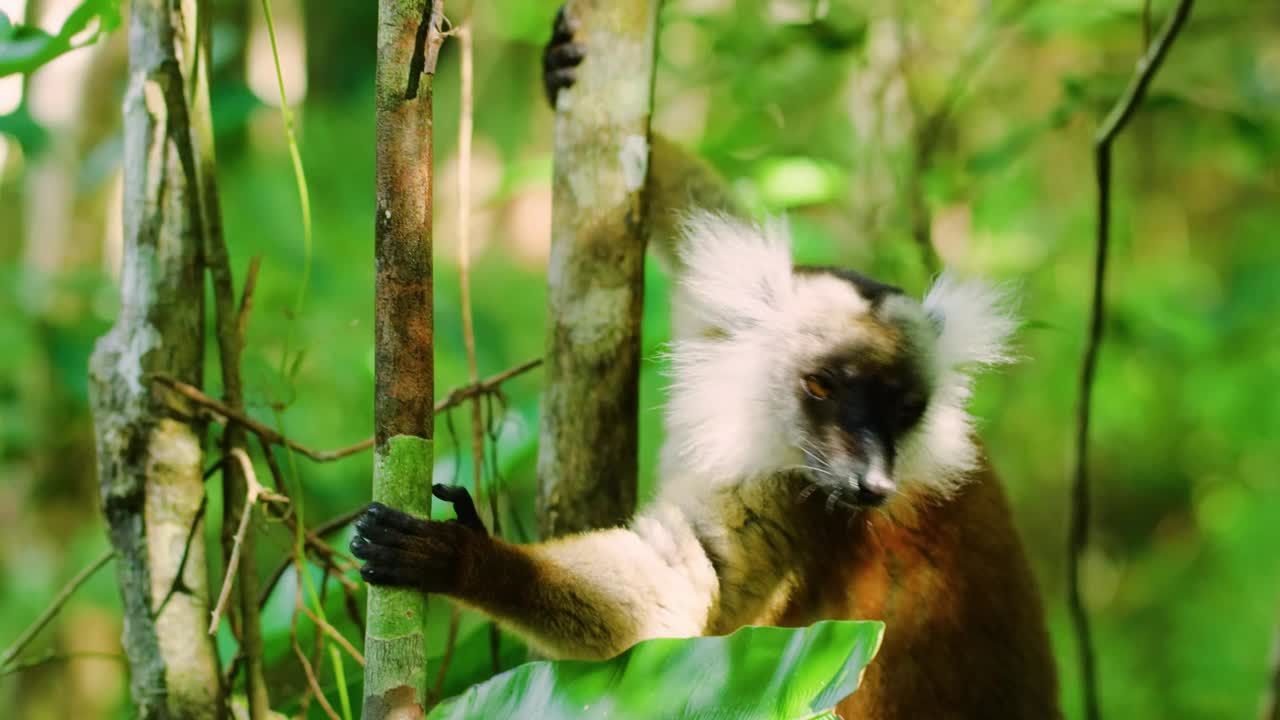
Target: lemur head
{"points": [[778, 367]]}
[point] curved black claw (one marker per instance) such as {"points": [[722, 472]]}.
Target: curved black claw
{"points": [[463, 505], [561, 57]]}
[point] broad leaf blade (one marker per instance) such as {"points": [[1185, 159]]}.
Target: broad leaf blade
{"points": [[757, 673]]}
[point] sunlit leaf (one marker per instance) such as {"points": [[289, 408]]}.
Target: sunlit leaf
{"points": [[757, 672], [24, 48]]}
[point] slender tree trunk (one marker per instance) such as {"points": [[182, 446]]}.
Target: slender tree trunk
{"points": [[408, 42], [588, 443], [150, 459]]}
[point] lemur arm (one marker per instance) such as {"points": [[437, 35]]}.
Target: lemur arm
{"points": [[678, 180], [591, 595], [587, 596]]}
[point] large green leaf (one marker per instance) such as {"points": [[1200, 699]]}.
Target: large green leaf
{"points": [[763, 673]]}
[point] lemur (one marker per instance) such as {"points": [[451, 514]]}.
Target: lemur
{"points": [[819, 464]]}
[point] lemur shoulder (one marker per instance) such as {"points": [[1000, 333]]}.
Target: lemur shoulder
{"points": [[820, 463]]}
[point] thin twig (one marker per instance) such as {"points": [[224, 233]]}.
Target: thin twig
{"points": [[318, 548], [450, 642], [54, 606], [455, 398], [219, 408], [254, 492], [1115, 121], [335, 635], [47, 658], [307, 669], [246, 296], [463, 32], [179, 583]]}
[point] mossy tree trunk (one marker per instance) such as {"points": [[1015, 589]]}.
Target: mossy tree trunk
{"points": [[408, 42], [589, 437], [150, 457]]}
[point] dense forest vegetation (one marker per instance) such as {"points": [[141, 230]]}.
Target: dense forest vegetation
{"points": [[888, 133]]}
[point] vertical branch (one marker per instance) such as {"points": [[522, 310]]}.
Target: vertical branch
{"points": [[465, 114], [463, 33], [1111, 127], [409, 39], [150, 460], [229, 328], [588, 443]]}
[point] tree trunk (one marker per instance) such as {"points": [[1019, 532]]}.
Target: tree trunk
{"points": [[588, 443], [150, 459], [408, 42]]}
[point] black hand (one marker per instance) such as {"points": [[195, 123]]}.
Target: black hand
{"points": [[404, 551], [561, 57]]}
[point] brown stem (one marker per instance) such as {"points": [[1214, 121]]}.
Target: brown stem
{"points": [[253, 493], [270, 435], [1078, 540]]}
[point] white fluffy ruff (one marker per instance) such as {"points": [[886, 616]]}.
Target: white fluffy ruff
{"points": [[746, 325]]}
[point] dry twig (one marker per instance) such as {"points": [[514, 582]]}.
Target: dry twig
{"points": [[254, 492], [226, 414], [334, 635]]}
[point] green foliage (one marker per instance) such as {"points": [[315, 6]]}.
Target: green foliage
{"points": [[24, 48], [762, 673], [1184, 449]]}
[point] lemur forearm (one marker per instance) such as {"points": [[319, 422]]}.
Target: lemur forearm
{"points": [[678, 182], [587, 596]]}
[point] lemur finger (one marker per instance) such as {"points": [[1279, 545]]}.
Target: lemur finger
{"points": [[563, 55], [381, 515], [380, 533], [395, 575], [431, 572], [374, 554], [564, 27], [463, 505], [553, 81]]}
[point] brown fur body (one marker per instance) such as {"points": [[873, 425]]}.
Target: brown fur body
{"points": [[965, 636]]}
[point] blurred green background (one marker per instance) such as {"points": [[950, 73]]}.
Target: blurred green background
{"points": [[870, 124]]}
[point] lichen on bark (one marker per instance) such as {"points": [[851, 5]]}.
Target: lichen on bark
{"points": [[588, 425], [150, 461]]}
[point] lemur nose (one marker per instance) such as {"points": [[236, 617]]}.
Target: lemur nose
{"points": [[874, 488]]}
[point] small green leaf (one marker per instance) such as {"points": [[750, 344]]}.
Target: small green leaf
{"points": [[24, 48], [757, 673]]}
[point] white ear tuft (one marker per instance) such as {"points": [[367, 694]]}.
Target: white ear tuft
{"points": [[736, 274], [975, 322]]}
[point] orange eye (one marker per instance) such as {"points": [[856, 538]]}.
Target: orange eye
{"points": [[817, 387]]}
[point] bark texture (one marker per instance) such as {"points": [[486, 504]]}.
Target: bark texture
{"points": [[408, 41], [150, 459], [588, 443]]}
